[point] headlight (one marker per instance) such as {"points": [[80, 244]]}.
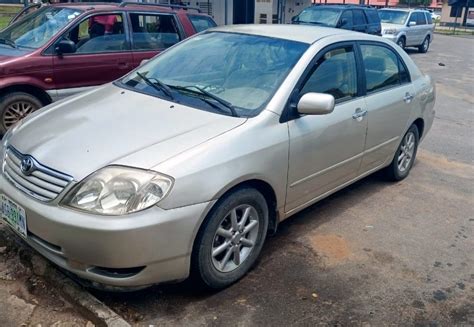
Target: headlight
{"points": [[118, 190], [390, 31]]}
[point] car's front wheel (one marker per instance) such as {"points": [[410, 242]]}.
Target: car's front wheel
{"points": [[14, 107], [231, 238], [401, 42], [404, 156]]}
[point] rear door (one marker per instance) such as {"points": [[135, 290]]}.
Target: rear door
{"points": [[102, 54], [389, 102], [152, 33]]}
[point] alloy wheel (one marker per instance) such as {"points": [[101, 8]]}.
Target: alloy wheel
{"points": [[235, 238], [407, 151], [16, 111]]}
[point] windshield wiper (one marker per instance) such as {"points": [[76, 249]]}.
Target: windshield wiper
{"points": [[157, 85], [198, 90], [8, 42]]}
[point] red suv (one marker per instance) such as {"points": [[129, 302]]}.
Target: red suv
{"points": [[59, 50]]}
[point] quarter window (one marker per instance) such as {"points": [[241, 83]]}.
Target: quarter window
{"points": [[383, 68], [153, 32], [99, 34], [201, 23], [335, 73]]}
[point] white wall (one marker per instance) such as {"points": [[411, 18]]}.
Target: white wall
{"points": [[218, 9], [264, 7]]}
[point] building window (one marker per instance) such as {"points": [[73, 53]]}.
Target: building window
{"points": [[456, 11], [263, 19]]}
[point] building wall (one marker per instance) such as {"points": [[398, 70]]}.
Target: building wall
{"points": [[216, 9], [264, 11], [446, 18]]}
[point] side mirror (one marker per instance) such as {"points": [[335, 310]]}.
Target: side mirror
{"points": [[412, 23], [65, 46], [144, 61], [343, 22], [316, 104]]}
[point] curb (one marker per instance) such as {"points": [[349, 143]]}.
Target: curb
{"points": [[87, 304]]}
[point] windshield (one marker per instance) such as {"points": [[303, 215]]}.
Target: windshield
{"points": [[393, 16], [320, 16], [222, 72], [37, 28]]}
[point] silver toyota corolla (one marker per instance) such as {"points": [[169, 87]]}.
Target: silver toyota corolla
{"points": [[185, 165]]}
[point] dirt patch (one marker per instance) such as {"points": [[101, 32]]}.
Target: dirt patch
{"points": [[332, 248], [439, 162]]}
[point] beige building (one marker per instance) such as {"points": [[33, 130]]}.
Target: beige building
{"points": [[457, 12], [250, 11]]}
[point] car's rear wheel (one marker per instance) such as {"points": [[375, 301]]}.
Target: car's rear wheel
{"points": [[423, 48], [16, 106], [401, 42], [404, 156], [231, 238]]}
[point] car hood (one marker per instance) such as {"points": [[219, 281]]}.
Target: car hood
{"points": [[388, 25], [111, 125], [7, 53]]}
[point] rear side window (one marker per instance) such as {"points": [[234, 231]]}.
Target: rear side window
{"points": [[428, 18], [359, 17], [373, 16], [420, 19], [153, 32], [383, 68], [201, 23]]}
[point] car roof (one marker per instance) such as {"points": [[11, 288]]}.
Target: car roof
{"points": [[342, 6], [91, 6], [301, 33], [404, 9]]}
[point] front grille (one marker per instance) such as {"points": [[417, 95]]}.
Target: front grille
{"points": [[42, 183]]}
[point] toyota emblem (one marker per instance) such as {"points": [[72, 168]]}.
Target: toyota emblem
{"points": [[27, 166]]}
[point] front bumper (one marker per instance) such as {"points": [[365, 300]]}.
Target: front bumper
{"points": [[140, 249], [391, 37]]}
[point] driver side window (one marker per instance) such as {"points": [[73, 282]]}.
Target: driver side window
{"points": [[335, 73], [99, 34]]}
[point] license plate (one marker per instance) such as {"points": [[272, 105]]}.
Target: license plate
{"points": [[13, 214]]}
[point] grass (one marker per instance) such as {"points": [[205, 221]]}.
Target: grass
{"points": [[7, 13]]}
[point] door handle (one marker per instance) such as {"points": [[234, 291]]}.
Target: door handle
{"points": [[408, 97], [359, 114]]}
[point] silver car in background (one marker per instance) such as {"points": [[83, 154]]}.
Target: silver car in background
{"points": [[184, 165], [408, 27]]}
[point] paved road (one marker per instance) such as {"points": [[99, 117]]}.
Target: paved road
{"points": [[376, 253]]}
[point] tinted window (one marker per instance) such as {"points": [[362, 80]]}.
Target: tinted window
{"points": [[99, 33], [201, 23], [346, 19], [420, 19], [383, 68], [153, 32], [359, 17], [372, 16], [335, 73]]}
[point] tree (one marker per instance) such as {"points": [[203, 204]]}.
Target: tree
{"points": [[416, 3]]}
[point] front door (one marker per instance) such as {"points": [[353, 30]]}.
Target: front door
{"points": [[389, 102], [102, 54], [326, 151]]}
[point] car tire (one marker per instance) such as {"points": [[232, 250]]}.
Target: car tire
{"points": [[223, 252], [401, 42], [404, 156], [15, 106], [423, 48]]}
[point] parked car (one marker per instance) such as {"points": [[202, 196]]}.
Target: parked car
{"points": [[408, 27], [59, 50], [184, 168], [350, 17]]}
